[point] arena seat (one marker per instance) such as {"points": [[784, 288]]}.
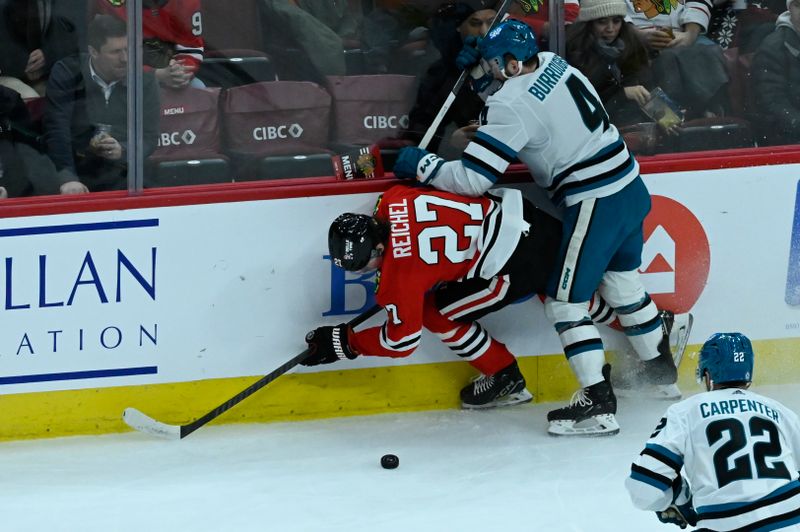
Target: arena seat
{"points": [[231, 68], [269, 121], [188, 149], [234, 46], [369, 108]]}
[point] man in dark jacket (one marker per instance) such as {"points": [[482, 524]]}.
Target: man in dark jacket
{"points": [[85, 119], [776, 78], [24, 169], [35, 34]]}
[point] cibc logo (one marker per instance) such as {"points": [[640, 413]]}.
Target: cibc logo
{"points": [[676, 258], [385, 122], [277, 132], [176, 138]]}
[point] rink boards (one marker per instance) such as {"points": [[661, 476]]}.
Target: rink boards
{"points": [[174, 309]]}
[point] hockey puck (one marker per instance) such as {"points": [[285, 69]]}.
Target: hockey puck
{"points": [[389, 461]]}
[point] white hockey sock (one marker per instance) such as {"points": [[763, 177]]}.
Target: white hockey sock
{"points": [[643, 329]]}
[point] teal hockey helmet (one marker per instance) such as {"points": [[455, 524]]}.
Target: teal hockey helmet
{"points": [[726, 357]]}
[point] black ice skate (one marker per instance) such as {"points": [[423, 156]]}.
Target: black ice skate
{"points": [[504, 388], [590, 411], [658, 377]]}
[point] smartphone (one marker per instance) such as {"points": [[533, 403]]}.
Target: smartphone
{"points": [[793, 275]]}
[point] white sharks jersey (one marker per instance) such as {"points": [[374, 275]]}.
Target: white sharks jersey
{"points": [[739, 452], [551, 120]]}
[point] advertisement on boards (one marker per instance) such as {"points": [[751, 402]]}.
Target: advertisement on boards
{"points": [[196, 292]]}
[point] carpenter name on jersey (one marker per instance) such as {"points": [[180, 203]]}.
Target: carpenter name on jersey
{"points": [[738, 452]]}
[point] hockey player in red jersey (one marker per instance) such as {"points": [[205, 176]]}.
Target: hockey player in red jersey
{"points": [[443, 261], [173, 37]]}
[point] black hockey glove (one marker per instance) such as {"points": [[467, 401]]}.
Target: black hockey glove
{"points": [[328, 345], [681, 515]]}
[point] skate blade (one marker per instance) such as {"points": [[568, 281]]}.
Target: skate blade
{"points": [[662, 392], [681, 329], [511, 399], [601, 425]]}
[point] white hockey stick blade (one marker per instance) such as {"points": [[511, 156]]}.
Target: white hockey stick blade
{"points": [[144, 423]]}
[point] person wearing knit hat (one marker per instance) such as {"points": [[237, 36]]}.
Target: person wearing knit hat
{"points": [[608, 52], [595, 9], [450, 25]]}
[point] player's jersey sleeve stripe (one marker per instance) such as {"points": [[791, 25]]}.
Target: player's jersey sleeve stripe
{"points": [[403, 344], [481, 167], [495, 146], [607, 153], [651, 478], [490, 231], [663, 455]]}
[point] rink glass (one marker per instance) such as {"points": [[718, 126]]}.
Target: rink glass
{"points": [[270, 112]]}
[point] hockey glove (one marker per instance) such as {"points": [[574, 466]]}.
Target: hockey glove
{"points": [[412, 162], [328, 345], [681, 515], [469, 56]]}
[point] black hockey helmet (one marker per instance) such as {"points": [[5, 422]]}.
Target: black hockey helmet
{"points": [[352, 240]]}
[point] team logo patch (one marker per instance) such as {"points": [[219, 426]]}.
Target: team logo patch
{"points": [[653, 8], [366, 163]]}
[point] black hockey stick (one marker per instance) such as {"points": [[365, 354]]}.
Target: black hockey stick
{"points": [[426, 139], [144, 423]]}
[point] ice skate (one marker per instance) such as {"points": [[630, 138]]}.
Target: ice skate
{"points": [[504, 388], [590, 411], [657, 378]]}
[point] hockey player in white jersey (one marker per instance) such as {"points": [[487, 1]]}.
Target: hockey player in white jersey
{"points": [[547, 114], [725, 459]]}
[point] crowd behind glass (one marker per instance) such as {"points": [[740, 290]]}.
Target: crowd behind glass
{"points": [[272, 89]]}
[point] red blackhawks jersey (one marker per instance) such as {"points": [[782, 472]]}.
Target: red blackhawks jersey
{"points": [[435, 236], [179, 22]]}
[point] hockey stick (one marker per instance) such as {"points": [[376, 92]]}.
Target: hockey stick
{"points": [[143, 423], [426, 139]]}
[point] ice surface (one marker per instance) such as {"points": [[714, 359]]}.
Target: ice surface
{"points": [[459, 471]]}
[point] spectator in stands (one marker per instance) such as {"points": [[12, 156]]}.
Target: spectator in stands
{"points": [[289, 27], [776, 78], [85, 119], [34, 35], [24, 169], [535, 14], [688, 66], [450, 25], [743, 24], [394, 38], [609, 52], [173, 38]]}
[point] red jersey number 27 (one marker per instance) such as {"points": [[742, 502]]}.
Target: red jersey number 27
{"points": [[447, 231]]}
